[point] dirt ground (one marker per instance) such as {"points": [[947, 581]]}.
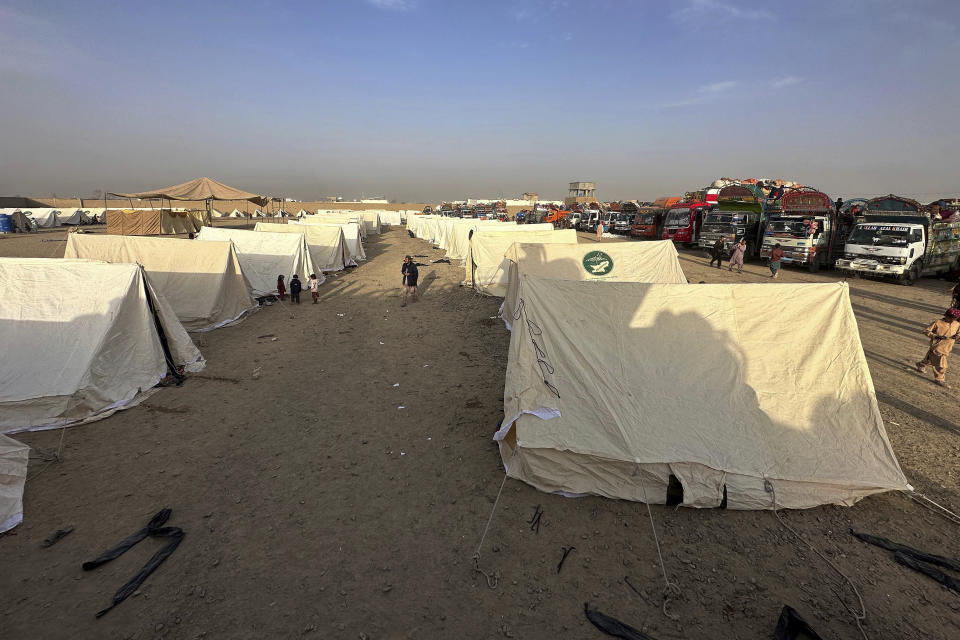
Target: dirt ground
{"points": [[321, 500]]}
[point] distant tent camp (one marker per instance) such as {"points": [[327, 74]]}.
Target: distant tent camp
{"points": [[487, 268], [391, 218], [152, 222], [202, 281], [351, 235], [236, 213], [650, 262], [264, 255], [98, 337], [337, 218], [216, 213], [793, 422], [13, 475], [328, 249]]}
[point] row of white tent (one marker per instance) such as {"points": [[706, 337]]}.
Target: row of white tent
{"points": [[132, 300], [371, 220], [48, 217], [609, 343]]}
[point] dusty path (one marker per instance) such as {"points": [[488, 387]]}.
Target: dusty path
{"points": [[314, 506]]}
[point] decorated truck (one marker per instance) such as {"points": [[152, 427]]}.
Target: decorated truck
{"points": [[804, 223], [895, 239], [736, 215], [648, 223]]}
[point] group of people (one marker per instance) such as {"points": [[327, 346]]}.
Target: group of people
{"points": [[313, 284], [738, 253], [736, 256]]}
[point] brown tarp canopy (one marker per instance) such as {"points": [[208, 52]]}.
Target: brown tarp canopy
{"points": [[153, 222], [199, 189]]}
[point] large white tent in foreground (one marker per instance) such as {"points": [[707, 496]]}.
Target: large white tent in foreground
{"points": [[264, 255], [13, 475], [81, 339], [202, 281], [597, 397]]}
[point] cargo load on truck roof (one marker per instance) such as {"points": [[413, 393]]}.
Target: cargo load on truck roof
{"points": [[892, 203]]}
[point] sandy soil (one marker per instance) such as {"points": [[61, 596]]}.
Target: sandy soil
{"points": [[315, 506]]}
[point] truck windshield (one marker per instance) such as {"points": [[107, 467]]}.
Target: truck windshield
{"points": [[880, 235], [720, 218], [678, 218], [793, 227], [649, 218]]}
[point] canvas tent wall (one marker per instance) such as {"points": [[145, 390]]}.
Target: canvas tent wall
{"points": [[85, 348], [486, 266], [97, 215], [369, 219], [150, 222], [327, 246], [391, 218], [458, 238], [597, 406], [351, 236], [202, 281], [264, 255], [13, 475], [336, 218], [651, 262]]}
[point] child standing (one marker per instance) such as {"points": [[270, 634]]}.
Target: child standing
{"points": [[409, 282], [943, 335], [281, 287], [314, 285], [295, 288]]}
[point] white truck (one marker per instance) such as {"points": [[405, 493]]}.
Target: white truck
{"points": [[904, 244]]}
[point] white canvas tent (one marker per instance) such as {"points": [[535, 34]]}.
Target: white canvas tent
{"points": [[13, 475], [74, 217], [216, 213], [351, 236], [391, 218], [336, 218], [88, 346], [608, 393], [236, 213], [202, 281], [264, 255], [486, 266], [45, 217], [327, 245], [651, 262], [458, 237]]}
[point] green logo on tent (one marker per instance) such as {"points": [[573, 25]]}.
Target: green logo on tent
{"points": [[598, 263]]}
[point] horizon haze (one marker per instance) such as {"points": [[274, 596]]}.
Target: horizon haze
{"points": [[426, 100]]}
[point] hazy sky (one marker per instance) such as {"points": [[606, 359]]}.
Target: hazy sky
{"points": [[423, 100]]}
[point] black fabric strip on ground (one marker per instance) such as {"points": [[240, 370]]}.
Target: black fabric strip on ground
{"points": [[154, 529], [928, 570], [612, 626], [791, 626], [889, 545]]}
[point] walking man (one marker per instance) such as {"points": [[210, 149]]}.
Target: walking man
{"points": [[736, 258], [716, 252], [943, 335], [599, 229]]}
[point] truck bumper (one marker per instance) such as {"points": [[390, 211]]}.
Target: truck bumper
{"points": [[871, 267]]}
